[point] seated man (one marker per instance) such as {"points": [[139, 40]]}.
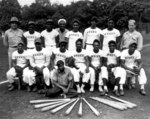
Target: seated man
{"points": [[131, 62], [39, 61], [81, 67], [19, 62], [112, 62], [63, 82]]}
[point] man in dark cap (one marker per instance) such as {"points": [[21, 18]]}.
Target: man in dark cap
{"points": [[12, 37]]}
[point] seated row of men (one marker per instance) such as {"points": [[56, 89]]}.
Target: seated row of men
{"points": [[89, 66]]}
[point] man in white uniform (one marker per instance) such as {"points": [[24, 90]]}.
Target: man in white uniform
{"points": [[73, 36], [90, 34], [112, 61], [110, 33], [30, 36], [131, 61], [49, 36], [39, 60], [20, 62], [81, 67]]}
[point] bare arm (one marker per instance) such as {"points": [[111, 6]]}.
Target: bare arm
{"points": [[140, 43], [5, 40]]}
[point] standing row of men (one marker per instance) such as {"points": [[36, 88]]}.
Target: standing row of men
{"points": [[99, 62]]}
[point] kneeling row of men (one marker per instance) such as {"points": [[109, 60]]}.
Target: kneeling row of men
{"points": [[88, 65]]}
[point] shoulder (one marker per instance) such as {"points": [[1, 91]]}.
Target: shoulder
{"points": [[7, 31], [44, 31]]}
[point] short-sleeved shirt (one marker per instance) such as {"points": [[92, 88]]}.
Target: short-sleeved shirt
{"points": [[30, 38], [62, 35], [49, 37], [63, 78], [130, 59], [13, 37], [73, 37], [108, 36], [111, 57], [95, 57], [78, 56], [129, 37], [91, 34], [40, 58], [60, 55], [21, 59]]}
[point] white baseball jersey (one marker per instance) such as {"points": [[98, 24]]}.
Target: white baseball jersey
{"points": [[21, 59], [30, 38], [91, 34], [111, 57], [78, 56], [95, 57], [73, 37], [130, 59], [40, 58], [49, 37], [60, 55], [108, 36]]}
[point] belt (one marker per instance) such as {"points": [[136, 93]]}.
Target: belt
{"points": [[30, 48], [89, 44], [13, 46]]}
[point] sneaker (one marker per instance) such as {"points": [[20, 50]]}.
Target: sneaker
{"points": [[29, 89], [82, 90], [142, 92], [79, 90], [121, 93], [42, 91], [92, 89], [11, 88], [102, 93], [116, 92]]}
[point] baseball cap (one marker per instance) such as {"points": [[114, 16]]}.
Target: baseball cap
{"points": [[37, 40], [131, 22], [62, 20], [59, 62], [94, 18], [133, 42], [50, 21], [63, 41], [76, 21], [14, 19], [21, 42], [31, 23]]}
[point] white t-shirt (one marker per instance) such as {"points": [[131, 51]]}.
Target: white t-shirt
{"points": [[95, 57], [60, 55], [91, 34], [108, 36], [49, 37], [30, 38], [21, 59], [111, 57], [78, 56], [130, 59], [40, 58], [73, 37]]}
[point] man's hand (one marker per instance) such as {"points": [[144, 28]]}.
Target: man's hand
{"points": [[87, 70], [38, 70], [136, 70], [111, 65], [19, 70], [65, 90]]}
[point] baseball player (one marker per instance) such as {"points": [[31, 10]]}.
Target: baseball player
{"points": [[112, 62], [19, 61], [81, 67], [90, 34], [131, 62], [73, 36], [95, 56], [49, 36], [110, 33], [132, 35], [30, 36], [39, 60]]}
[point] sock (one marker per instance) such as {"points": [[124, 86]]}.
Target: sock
{"points": [[142, 86], [116, 87], [121, 87]]}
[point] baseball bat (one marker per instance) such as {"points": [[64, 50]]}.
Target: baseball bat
{"points": [[46, 104], [131, 72], [71, 107], [96, 112], [108, 103], [80, 108], [52, 106], [47, 100], [62, 106], [130, 105]]}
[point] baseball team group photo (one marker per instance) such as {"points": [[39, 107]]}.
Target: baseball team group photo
{"points": [[87, 59]]}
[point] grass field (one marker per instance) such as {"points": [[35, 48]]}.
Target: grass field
{"points": [[15, 105]]}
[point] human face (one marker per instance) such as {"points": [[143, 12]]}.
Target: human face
{"points": [[75, 26], [110, 24], [79, 45], [132, 48], [38, 46], [14, 25], [49, 26], [93, 23], [112, 47], [62, 25], [96, 46], [20, 48], [63, 47], [61, 68], [131, 27], [31, 29]]}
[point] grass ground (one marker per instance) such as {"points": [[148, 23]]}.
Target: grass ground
{"points": [[15, 105]]}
